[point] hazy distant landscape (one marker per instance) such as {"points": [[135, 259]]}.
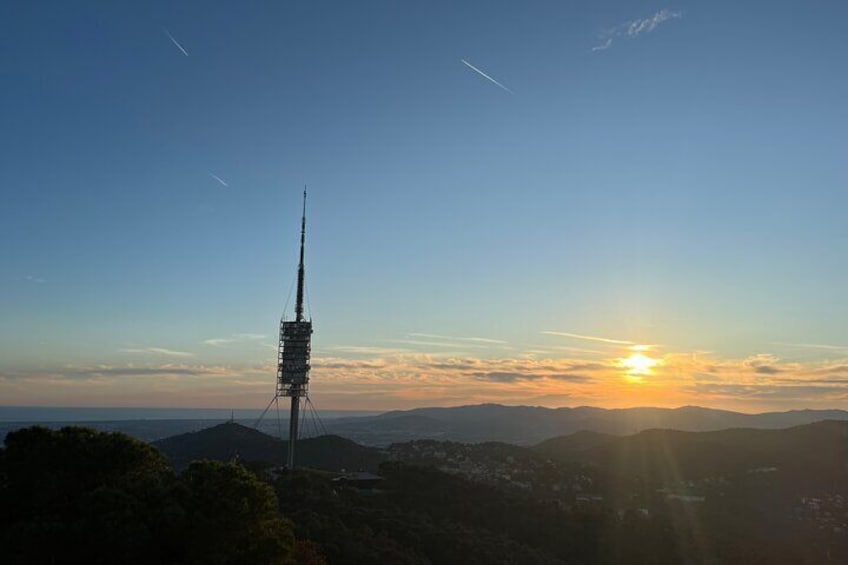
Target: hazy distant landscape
{"points": [[147, 424], [520, 425]]}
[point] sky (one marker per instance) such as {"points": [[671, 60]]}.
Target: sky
{"points": [[607, 203]]}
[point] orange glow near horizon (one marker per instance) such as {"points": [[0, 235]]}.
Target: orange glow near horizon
{"points": [[617, 376]]}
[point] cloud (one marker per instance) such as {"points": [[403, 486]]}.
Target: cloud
{"points": [[761, 381], [770, 391], [603, 46], [588, 337], [506, 377], [415, 368], [828, 347], [812, 381], [577, 349], [234, 338], [634, 28], [438, 344], [216, 341], [114, 375], [583, 366], [130, 371], [157, 351], [833, 369], [249, 336], [178, 385], [763, 363], [367, 377], [367, 350], [345, 364], [34, 279], [453, 338], [503, 377], [647, 25]]}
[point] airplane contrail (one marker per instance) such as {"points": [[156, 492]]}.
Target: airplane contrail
{"points": [[590, 337], [175, 42], [484, 75], [219, 179]]}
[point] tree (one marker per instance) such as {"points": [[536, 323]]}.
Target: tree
{"points": [[307, 552], [232, 517], [81, 496]]}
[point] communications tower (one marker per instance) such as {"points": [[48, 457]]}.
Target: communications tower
{"points": [[294, 350]]}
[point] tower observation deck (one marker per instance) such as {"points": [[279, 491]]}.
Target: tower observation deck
{"points": [[294, 351]]}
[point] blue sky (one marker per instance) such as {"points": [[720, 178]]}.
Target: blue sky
{"points": [[656, 173]]}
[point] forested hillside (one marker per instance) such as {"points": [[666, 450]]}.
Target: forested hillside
{"points": [[659, 497]]}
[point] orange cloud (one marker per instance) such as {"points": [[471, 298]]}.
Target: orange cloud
{"points": [[387, 379]]}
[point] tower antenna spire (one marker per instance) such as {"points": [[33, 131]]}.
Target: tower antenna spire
{"points": [[301, 273]]}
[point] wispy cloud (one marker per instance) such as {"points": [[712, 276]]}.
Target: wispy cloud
{"points": [[769, 392], [234, 338], [367, 350], [647, 25], [634, 28], [217, 341], [437, 344], [455, 338], [130, 371], [824, 346], [511, 377], [175, 42], [157, 351], [484, 75], [458, 372], [589, 337], [577, 349], [603, 46], [219, 179], [34, 279], [189, 385]]}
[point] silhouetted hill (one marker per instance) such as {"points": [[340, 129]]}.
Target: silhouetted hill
{"points": [[815, 453], [521, 425], [528, 424], [224, 441], [574, 443]]}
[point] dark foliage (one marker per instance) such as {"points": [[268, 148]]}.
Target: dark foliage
{"points": [[421, 515], [81, 496], [425, 516]]}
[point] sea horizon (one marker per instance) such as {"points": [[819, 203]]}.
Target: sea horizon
{"points": [[45, 414]]}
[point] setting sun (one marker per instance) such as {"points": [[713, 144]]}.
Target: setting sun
{"points": [[638, 364]]}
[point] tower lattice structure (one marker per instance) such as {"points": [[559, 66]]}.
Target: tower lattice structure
{"points": [[294, 351]]}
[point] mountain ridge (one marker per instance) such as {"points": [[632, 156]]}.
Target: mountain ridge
{"points": [[528, 425]]}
